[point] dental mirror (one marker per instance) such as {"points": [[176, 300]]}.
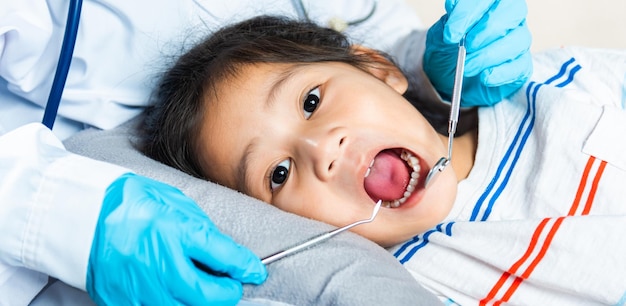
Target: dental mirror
{"points": [[443, 162], [317, 239]]}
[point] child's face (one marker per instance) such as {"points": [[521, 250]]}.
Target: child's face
{"points": [[324, 141]]}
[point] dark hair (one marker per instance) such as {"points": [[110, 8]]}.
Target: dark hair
{"points": [[168, 132]]}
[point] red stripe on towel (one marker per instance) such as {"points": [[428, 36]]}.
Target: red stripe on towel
{"points": [[517, 281]]}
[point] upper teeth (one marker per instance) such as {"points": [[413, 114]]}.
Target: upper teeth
{"points": [[367, 173], [413, 162]]}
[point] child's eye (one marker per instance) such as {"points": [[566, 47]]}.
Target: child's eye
{"points": [[279, 175], [311, 101]]}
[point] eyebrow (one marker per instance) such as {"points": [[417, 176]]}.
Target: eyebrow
{"points": [[281, 81], [243, 179]]}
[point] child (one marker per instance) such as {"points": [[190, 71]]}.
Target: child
{"points": [[530, 210]]}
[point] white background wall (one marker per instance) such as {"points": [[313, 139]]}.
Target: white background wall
{"points": [[555, 23]]}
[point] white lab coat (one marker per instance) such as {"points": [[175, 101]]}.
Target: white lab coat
{"points": [[49, 198]]}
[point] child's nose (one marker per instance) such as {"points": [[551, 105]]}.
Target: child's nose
{"points": [[323, 150]]}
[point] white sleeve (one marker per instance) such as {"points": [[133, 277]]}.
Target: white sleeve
{"points": [[119, 51], [50, 200]]}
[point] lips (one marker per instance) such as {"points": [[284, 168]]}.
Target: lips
{"points": [[393, 176]]}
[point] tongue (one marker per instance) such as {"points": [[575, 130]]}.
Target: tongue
{"points": [[388, 177]]}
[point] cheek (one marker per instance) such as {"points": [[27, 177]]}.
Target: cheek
{"points": [[403, 118], [321, 204], [437, 202]]}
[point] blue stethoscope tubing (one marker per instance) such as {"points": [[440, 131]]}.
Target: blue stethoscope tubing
{"points": [[63, 66]]}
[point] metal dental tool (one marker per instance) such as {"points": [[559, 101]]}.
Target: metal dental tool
{"points": [[317, 239], [454, 113]]}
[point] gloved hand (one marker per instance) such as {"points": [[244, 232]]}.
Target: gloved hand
{"points": [[497, 42], [149, 243]]}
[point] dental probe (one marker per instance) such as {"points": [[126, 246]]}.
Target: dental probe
{"points": [[456, 95], [454, 113], [317, 239]]}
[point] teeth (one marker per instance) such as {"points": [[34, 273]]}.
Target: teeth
{"points": [[413, 162], [367, 173]]}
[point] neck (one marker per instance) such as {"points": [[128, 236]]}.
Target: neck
{"points": [[463, 152]]}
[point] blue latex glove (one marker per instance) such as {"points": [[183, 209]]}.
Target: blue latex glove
{"points": [[497, 42], [148, 242]]}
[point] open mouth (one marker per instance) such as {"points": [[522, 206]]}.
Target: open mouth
{"points": [[393, 176]]}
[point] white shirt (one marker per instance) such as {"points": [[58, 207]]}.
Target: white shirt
{"points": [[49, 198], [50, 202]]}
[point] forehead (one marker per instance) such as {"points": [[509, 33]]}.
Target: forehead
{"points": [[234, 116]]}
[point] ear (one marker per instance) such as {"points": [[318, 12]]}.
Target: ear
{"points": [[383, 69]]}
